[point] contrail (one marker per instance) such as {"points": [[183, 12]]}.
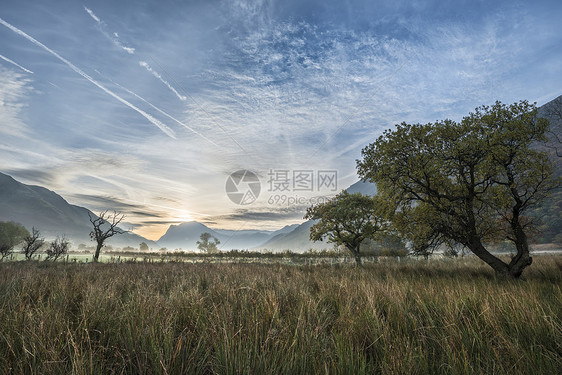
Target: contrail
{"points": [[16, 64], [157, 75], [96, 18], [169, 132], [162, 112], [115, 38]]}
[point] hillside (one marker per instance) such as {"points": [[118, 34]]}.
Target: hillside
{"points": [[298, 239], [35, 206]]}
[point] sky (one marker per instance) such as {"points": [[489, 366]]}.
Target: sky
{"points": [[147, 107]]}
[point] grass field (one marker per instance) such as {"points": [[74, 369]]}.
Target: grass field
{"points": [[450, 317]]}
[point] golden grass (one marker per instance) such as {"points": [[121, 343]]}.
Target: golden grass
{"points": [[449, 317]]}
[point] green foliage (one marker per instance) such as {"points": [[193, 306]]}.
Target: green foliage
{"points": [[143, 246], [439, 317], [388, 244], [11, 234], [466, 182], [207, 246], [347, 220]]}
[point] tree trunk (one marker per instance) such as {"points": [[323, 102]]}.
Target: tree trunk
{"points": [[522, 259], [357, 256], [499, 266], [97, 253]]}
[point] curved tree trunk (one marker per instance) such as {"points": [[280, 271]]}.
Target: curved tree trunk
{"points": [[512, 270], [499, 266]]}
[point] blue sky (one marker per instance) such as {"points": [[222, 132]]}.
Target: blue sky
{"points": [[148, 106]]}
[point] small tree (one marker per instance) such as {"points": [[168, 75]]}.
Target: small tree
{"points": [[32, 243], [208, 246], [57, 248], [143, 246], [11, 234], [105, 226], [347, 220]]}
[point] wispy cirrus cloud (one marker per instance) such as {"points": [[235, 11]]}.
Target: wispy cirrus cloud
{"points": [[145, 65], [169, 132], [165, 113], [91, 13], [14, 90], [293, 84], [16, 64], [113, 37]]}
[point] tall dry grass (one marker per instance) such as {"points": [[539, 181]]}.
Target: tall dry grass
{"points": [[425, 318]]}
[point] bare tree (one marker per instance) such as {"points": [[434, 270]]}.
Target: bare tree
{"points": [[57, 248], [32, 243], [105, 226]]}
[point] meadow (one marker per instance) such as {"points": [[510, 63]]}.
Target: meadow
{"points": [[435, 317]]}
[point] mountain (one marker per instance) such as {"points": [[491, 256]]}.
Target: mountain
{"points": [[549, 214], [291, 237], [298, 239], [35, 206], [553, 112], [186, 235], [245, 239]]}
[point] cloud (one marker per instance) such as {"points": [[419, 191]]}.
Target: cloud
{"points": [[103, 202], [14, 90], [44, 177], [263, 214], [114, 38], [16, 64], [169, 132], [145, 65], [297, 85], [164, 113], [129, 50], [96, 18]]}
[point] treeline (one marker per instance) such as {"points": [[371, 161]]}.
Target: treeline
{"points": [[14, 234]]}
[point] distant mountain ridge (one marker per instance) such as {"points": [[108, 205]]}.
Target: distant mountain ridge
{"points": [[36, 206], [186, 235], [299, 238]]}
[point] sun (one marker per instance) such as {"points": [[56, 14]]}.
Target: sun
{"points": [[185, 217]]}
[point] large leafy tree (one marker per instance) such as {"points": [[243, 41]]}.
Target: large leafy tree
{"points": [[347, 219], [11, 234], [468, 183]]}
